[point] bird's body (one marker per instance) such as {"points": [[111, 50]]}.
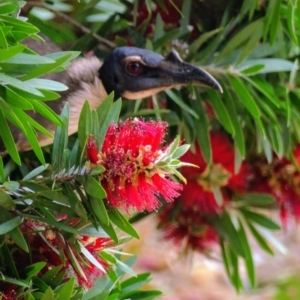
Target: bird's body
{"points": [[130, 72]]}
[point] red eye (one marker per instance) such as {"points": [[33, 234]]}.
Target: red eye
{"points": [[133, 68]]}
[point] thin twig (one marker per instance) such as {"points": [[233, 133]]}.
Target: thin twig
{"points": [[73, 22]]}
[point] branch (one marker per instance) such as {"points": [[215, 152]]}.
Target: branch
{"points": [[73, 22]]}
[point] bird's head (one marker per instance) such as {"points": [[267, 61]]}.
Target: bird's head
{"points": [[134, 73]]}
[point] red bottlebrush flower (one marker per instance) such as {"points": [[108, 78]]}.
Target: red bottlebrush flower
{"points": [[129, 155], [218, 178], [92, 150], [281, 178], [187, 228], [8, 291], [44, 244], [171, 16]]}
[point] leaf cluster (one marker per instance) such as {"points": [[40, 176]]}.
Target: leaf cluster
{"points": [[253, 53]]}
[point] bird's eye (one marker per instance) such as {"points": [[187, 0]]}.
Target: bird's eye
{"points": [[133, 68]]}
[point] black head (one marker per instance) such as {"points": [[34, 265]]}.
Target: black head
{"points": [[134, 73]]}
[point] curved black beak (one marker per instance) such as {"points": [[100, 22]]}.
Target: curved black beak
{"points": [[182, 73]]}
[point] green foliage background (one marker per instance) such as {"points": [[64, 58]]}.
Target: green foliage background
{"points": [[251, 47]]}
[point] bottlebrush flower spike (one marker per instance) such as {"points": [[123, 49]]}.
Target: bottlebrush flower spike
{"points": [[45, 246], [137, 168], [210, 186], [280, 178], [186, 228]]}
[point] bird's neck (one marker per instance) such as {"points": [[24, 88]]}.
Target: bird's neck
{"points": [[87, 86], [93, 92]]}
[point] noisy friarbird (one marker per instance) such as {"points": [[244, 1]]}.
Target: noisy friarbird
{"points": [[130, 72]]}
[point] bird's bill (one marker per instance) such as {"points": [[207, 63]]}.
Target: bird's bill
{"points": [[182, 73]]}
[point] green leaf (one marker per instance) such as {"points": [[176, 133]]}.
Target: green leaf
{"points": [[271, 65], [252, 41], [65, 291], [19, 25], [9, 262], [228, 232], [251, 70], [248, 255], [181, 150], [143, 295], [167, 37], [275, 134], [105, 118], [134, 283], [107, 257], [193, 47], [46, 69], [109, 229], [8, 140], [240, 38], [293, 9], [6, 201], [45, 84], [60, 225], [202, 130], [28, 59], [260, 239], [8, 80], [31, 136], [258, 199], [85, 123], [75, 203], [35, 172], [97, 170], [180, 103], [93, 232], [265, 88], [10, 52], [6, 227], [60, 141], [3, 41], [104, 108], [236, 280], [271, 22], [268, 235], [94, 188], [91, 258], [239, 139], [112, 117], [226, 259], [117, 218], [34, 269], [101, 285], [15, 234], [51, 274], [99, 210], [74, 262], [13, 115], [48, 295], [125, 268], [13, 281], [16, 99], [7, 8], [245, 97], [2, 175], [221, 111], [260, 219], [47, 112]]}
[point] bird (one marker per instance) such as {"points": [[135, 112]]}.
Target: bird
{"points": [[131, 73]]}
